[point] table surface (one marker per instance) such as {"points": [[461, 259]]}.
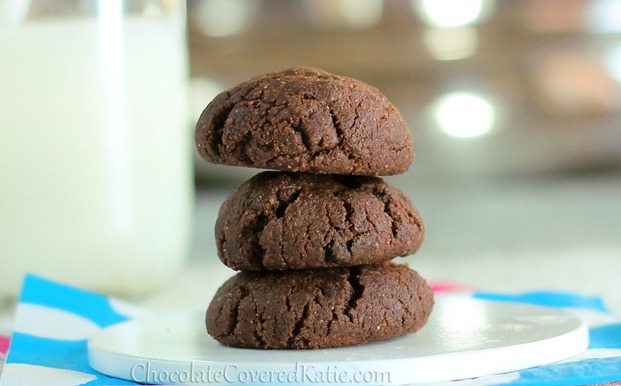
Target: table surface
{"points": [[511, 266], [534, 250]]}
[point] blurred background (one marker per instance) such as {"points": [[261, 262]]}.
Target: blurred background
{"points": [[514, 107]]}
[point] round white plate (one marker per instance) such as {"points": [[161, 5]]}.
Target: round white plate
{"points": [[464, 338]]}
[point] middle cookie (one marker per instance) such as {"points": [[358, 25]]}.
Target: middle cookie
{"points": [[278, 221]]}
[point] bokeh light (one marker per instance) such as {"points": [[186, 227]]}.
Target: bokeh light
{"points": [[612, 61], [219, 18], [451, 43], [452, 13], [604, 16], [464, 114]]}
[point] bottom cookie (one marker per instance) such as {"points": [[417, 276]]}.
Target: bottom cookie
{"points": [[319, 308]]}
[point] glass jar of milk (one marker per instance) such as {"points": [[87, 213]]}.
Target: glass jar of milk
{"points": [[95, 161]]}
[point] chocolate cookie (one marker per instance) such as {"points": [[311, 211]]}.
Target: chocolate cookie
{"points": [[319, 308], [305, 120], [279, 220]]}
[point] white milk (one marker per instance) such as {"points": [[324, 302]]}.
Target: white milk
{"points": [[95, 176]]}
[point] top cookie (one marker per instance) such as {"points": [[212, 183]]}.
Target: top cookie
{"points": [[305, 120]]}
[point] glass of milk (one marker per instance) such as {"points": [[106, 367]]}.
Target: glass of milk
{"points": [[95, 160]]}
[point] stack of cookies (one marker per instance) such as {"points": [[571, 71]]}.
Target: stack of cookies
{"points": [[313, 240]]}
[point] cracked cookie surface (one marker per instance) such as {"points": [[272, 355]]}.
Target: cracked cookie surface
{"points": [[305, 120], [279, 220], [319, 308]]}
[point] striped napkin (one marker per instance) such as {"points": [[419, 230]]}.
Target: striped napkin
{"points": [[53, 322]]}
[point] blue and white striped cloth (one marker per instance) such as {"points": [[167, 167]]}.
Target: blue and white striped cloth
{"points": [[53, 323]]}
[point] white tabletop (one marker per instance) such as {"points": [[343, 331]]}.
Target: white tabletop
{"points": [[582, 265]]}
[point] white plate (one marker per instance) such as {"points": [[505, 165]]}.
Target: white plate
{"points": [[464, 338]]}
